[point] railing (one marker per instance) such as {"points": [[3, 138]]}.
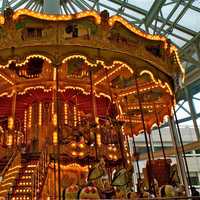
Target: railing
{"points": [[40, 173], [10, 173], [15, 159]]}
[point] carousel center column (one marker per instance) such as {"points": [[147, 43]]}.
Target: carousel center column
{"points": [[56, 126]]}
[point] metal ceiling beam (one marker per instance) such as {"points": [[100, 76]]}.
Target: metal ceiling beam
{"points": [[86, 4], [28, 5], [96, 4], [157, 29], [192, 41], [197, 47], [5, 4], [190, 59], [65, 8], [73, 7], [19, 4], [178, 18], [153, 12], [121, 9], [115, 10], [79, 5], [171, 13], [160, 19], [192, 7]]}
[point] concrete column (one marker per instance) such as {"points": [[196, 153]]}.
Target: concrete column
{"points": [[193, 112], [179, 158]]}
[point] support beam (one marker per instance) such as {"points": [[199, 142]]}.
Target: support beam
{"points": [[5, 4], [191, 77], [188, 44], [192, 112], [153, 12], [180, 15], [160, 19], [170, 14], [197, 46]]}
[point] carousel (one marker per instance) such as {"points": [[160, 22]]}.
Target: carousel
{"points": [[74, 91]]}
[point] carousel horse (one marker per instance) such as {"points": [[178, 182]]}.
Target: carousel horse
{"points": [[167, 191], [98, 178], [97, 171], [91, 191], [88, 192], [71, 192], [180, 190], [122, 179]]}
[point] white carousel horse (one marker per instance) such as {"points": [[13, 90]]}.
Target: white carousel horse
{"points": [[122, 180], [99, 179], [167, 191], [97, 171]]}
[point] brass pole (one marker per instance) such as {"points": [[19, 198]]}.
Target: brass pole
{"points": [[58, 132], [145, 135], [159, 131], [151, 146], [93, 106], [133, 141], [182, 146]]}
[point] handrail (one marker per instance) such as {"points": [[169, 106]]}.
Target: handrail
{"points": [[39, 172], [15, 153]]}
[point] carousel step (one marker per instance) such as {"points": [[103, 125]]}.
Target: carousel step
{"points": [[21, 197], [24, 176], [24, 183], [24, 191]]}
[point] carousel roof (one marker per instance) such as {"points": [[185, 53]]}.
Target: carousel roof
{"points": [[167, 17], [177, 20]]}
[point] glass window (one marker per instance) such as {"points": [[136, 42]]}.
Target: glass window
{"points": [[196, 3], [143, 4], [189, 152], [176, 40], [191, 20], [197, 151], [194, 178], [182, 110]]}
